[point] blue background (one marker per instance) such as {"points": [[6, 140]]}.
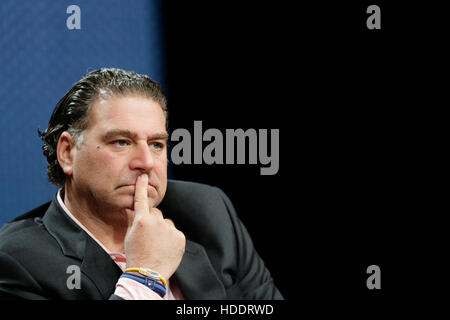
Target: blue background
{"points": [[40, 59]]}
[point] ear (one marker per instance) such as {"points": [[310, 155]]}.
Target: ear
{"points": [[66, 144]]}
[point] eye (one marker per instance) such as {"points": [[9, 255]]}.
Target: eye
{"points": [[121, 143], [157, 145]]}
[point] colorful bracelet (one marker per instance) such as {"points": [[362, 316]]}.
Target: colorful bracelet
{"points": [[151, 283], [148, 273]]}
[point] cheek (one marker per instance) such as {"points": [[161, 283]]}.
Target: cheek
{"points": [[162, 167], [95, 164], [110, 165]]}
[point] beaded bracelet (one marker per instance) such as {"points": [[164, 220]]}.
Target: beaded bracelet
{"points": [[149, 282], [148, 273]]}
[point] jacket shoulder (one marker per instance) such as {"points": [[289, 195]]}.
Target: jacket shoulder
{"points": [[202, 212], [33, 213], [190, 190], [191, 197], [22, 230]]}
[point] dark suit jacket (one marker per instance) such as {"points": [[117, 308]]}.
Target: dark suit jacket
{"points": [[219, 262]]}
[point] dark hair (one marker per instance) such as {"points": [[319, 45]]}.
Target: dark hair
{"points": [[70, 113]]}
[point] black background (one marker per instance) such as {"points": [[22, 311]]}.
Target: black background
{"points": [[347, 101], [358, 111]]}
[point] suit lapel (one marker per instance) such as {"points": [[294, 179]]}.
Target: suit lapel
{"points": [[76, 243], [100, 268], [196, 277]]}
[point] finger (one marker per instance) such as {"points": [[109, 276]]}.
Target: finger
{"points": [[140, 195]]}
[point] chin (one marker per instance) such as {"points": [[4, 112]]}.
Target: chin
{"points": [[124, 202], [128, 203]]}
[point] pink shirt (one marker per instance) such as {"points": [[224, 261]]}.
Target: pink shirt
{"points": [[128, 289]]}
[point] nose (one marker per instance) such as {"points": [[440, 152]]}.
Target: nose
{"points": [[142, 158]]}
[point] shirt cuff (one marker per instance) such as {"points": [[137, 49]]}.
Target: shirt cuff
{"points": [[130, 289]]}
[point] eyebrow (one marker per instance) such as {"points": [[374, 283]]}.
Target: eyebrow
{"points": [[132, 135]]}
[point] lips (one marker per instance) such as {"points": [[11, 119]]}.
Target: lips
{"points": [[134, 185]]}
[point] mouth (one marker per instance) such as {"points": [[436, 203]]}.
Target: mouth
{"points": [[134, 186]]}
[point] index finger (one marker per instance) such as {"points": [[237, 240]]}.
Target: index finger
{"points": [[140, 195]]}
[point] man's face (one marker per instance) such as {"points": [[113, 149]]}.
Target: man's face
{"points": [[125, 137]]}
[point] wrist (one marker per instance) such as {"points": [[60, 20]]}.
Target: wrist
{"points": [[149, 273], [150, 283]]}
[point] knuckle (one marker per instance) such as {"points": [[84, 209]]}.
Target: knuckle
{"points": [[169, 222], [156, 211], [160, 223], [181, 237]]}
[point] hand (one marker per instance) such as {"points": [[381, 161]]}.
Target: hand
{"points": [[152, 241]]}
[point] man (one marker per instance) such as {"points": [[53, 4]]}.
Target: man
{"points": [[117, 228]]}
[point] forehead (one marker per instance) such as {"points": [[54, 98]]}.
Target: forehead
{"points": [[141, 115]]}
